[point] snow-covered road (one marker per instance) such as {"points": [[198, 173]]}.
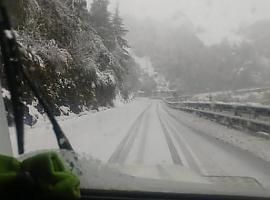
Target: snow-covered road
{"points": [[147, 132]]}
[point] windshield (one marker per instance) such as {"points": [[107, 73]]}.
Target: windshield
{"points": [[164, 90]]}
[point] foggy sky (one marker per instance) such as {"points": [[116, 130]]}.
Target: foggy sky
{"points": [[218, 19]]}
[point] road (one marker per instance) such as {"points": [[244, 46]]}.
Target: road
{"points": [[157, 136], [147, 132]]}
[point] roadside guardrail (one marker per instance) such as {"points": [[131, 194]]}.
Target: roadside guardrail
{"points": [[239, 116]]}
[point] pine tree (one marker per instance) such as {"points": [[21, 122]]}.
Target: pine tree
{"points": [[101, 21], [119, 29]]}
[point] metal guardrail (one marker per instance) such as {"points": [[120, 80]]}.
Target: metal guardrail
{"points": [[243, 91], [230, 119], [216, 93], [234, 109]]}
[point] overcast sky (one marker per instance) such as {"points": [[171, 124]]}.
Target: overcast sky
{"points": [[218, 18]]}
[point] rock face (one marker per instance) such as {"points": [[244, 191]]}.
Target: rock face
{"points": [[64, 54]]}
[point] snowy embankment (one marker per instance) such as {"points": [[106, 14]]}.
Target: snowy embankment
{"points": [[257, 96], [91, 133], [41, 120], [255, 145]]}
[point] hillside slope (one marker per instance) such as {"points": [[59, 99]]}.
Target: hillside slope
{"points": [[66, 57]]}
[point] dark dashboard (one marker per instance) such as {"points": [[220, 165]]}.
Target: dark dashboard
{"points": [[130, 195]]}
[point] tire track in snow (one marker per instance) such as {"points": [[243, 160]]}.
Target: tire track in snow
{"points": [[141, 152], [175, 134], [192, 159], [174, 154], [123, 149], [218, 170]]}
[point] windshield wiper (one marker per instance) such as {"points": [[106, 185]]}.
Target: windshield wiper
{"points": [[15, 75]]}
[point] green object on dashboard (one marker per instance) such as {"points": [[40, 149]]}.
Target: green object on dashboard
{"points": [[9, 168], [51, 176], [44, 176]]}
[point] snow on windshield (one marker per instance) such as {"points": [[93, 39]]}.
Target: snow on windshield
{"points": [[161, 90]]}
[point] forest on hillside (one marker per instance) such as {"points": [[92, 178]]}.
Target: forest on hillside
{"points": [[190, 66], [77, 56]]}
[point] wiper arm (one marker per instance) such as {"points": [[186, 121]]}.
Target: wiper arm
{"points": [[12, 70], [16, 73], [62, 140]]}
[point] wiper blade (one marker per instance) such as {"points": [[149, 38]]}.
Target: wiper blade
{"points": [[12, 70], [62, 140], [16, 73]]}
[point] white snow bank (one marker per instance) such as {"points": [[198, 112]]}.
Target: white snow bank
{"points": [[256, 145], [5, 93], [96, 134]]}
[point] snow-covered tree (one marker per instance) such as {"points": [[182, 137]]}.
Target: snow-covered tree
{"points": [[101, 21], [119, 30]]}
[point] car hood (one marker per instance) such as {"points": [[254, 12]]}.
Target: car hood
{"points": [[97, 175]]}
